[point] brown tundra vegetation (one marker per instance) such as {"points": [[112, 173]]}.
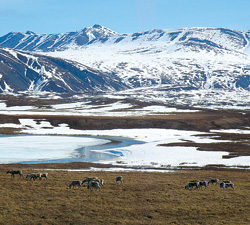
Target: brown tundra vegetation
{"points": [[142, 198]]}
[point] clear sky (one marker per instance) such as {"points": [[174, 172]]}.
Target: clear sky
{"points": [[123, 16]]}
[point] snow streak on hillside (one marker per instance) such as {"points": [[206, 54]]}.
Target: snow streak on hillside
{"points": [[22, 72]]}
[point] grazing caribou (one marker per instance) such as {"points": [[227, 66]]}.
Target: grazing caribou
{"points": [[203, 183], [75, 183], [45, 175], [100, 181], [93, 179], [32, 176], [88, 179], [118, 179], [213, 181], [41, 175], [224, 185], [13, 172], [192, 184], [94, 184]]}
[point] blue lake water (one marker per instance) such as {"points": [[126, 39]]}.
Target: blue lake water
{"points": [[34, 149]]}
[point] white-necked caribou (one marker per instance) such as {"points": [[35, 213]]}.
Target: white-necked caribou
{"points": [[14, 172]]}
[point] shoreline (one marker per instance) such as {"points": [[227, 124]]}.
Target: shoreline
{"points": [[100, 167]]}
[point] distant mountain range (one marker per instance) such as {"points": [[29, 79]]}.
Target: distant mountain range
{"points": [[30, 41], [186, 58]]}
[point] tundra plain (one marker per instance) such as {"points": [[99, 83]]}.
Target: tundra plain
{"points": [[144, 197]]}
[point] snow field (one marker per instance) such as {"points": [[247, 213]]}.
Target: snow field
{"points": [[147, 154]]}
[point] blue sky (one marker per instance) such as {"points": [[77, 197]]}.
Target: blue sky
{"points": [[123, 16]]}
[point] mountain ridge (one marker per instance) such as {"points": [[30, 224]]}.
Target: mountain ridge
{"points": [[191, 58], [30, 41], [195, 58]]}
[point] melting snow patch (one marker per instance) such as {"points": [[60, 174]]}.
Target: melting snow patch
{"points": [[146, 154]]}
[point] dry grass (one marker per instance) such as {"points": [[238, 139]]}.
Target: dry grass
{"points": [[143, 198]]}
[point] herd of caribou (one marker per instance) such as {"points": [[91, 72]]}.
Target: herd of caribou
{"points": [[96, 183], [197, 184], [93, 182], [31, 176]]}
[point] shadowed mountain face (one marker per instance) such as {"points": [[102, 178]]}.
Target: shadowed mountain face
{"points": [[22, 71]]}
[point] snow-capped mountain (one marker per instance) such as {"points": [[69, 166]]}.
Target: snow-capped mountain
{"points": [[193, 58], [30, 41], [24, 71], [180, 59]]}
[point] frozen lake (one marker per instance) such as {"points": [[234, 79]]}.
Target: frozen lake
{"points": [[59, 148]]}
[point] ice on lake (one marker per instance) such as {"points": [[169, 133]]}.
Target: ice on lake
{"points": [[19, 148]]}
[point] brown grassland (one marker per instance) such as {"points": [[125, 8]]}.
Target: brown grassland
{"points": [[143, 198]]}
